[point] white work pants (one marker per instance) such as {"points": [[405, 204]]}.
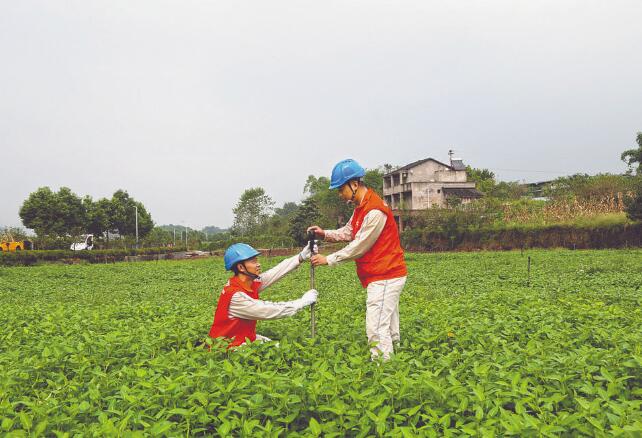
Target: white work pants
{"points": [[382, 315]]}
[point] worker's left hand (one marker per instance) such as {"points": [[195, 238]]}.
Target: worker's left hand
{"points": [[318, 260], [305, 252]]}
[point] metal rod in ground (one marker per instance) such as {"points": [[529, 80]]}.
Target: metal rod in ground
{"points": [[313, 321], [529, 270]]}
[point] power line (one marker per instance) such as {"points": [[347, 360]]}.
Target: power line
{"points": [[451, 153], [525, 170]]}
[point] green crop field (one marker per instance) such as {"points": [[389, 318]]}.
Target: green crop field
{"points": [[99, 350]]}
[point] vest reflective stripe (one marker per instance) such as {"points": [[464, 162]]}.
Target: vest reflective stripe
{"points": [[234, 329], [385, 259]]}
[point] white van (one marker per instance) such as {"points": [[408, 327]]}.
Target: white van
{"points": [[87, 243]]}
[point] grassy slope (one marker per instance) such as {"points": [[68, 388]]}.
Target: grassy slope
{"points": [[107, 349]]}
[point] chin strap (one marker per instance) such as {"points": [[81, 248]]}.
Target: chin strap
{"points": [[354, 194], [248, 274]]}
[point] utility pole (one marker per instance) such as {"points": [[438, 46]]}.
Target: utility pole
{"points": [[174, 236], [136, 207], [186, 238]]}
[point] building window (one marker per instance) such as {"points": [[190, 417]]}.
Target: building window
{"points": [[438, 191]]}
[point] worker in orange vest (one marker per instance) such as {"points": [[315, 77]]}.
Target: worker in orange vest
{"points": [[375, 247], [239, 306]]}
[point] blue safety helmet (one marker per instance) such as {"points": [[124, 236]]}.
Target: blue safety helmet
{"points": [[345, 171], [237, 253]]}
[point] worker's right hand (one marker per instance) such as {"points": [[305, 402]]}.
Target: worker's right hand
{"points": [[318, 231], [309, 297]]}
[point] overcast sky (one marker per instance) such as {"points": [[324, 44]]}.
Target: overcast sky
{"points": [[185, 104]]}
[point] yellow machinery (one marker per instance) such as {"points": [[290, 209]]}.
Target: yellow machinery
{"points": [[8, 244]]}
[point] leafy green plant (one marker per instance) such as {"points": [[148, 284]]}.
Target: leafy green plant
{"points": [[109, 349]]}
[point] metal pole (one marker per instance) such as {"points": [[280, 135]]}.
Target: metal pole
{"points": [[136, 207], [174, 236], [313, 320], [185, 237]]}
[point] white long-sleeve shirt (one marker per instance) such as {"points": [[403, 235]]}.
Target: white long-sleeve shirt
{"points": [[245, 307], [370, 230]]}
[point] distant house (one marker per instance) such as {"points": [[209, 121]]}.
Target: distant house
{"points": [[425, 184]]}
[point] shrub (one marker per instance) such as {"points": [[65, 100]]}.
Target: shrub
{"points": [[27, 258]]}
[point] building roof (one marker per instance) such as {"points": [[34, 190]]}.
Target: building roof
{"points": [[463, 193], [417, 163], [458, 164]]}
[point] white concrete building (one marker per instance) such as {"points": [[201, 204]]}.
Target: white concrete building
{"points": [[425, 184]]}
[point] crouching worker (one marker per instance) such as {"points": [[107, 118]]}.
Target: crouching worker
{"points": [[239, 306]]}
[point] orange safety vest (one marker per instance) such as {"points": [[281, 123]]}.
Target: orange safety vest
{"points": [[384, 260], [237, 330]]}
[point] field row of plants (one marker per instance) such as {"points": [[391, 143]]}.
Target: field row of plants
{"points": [[108, 350], [28, 258]]}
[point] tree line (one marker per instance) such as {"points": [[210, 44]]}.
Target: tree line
{"points": [[55, 215], [256, 219]]}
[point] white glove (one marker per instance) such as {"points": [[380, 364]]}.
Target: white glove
{"points": [[308, 298], [305, 252]]}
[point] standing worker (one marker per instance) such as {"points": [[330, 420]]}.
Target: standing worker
{"points": [[375, 247], [239, 306]]}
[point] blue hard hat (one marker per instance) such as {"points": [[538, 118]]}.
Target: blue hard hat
{"points": [[344, 171], [237, 253]]}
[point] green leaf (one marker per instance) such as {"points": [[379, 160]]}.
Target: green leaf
{"points": [[412, 411], [314, 427], [7, 424], [25, 420], [595, 422], [40, 428], [224, 428]]}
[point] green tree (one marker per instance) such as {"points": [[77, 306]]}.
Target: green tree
{"points": [[54, 214], [72, 211], [634, 203], [387, 168], [40, 213], [211, 229], [483, 178], [123, 215], [586, 187], [16, 233], [486, 183], [288, 210], [99, 215], [252, 212], [333, 210], [307, 214], [278, 224], [158, 237], [374, 180], [508, 190], [634, 156]]}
